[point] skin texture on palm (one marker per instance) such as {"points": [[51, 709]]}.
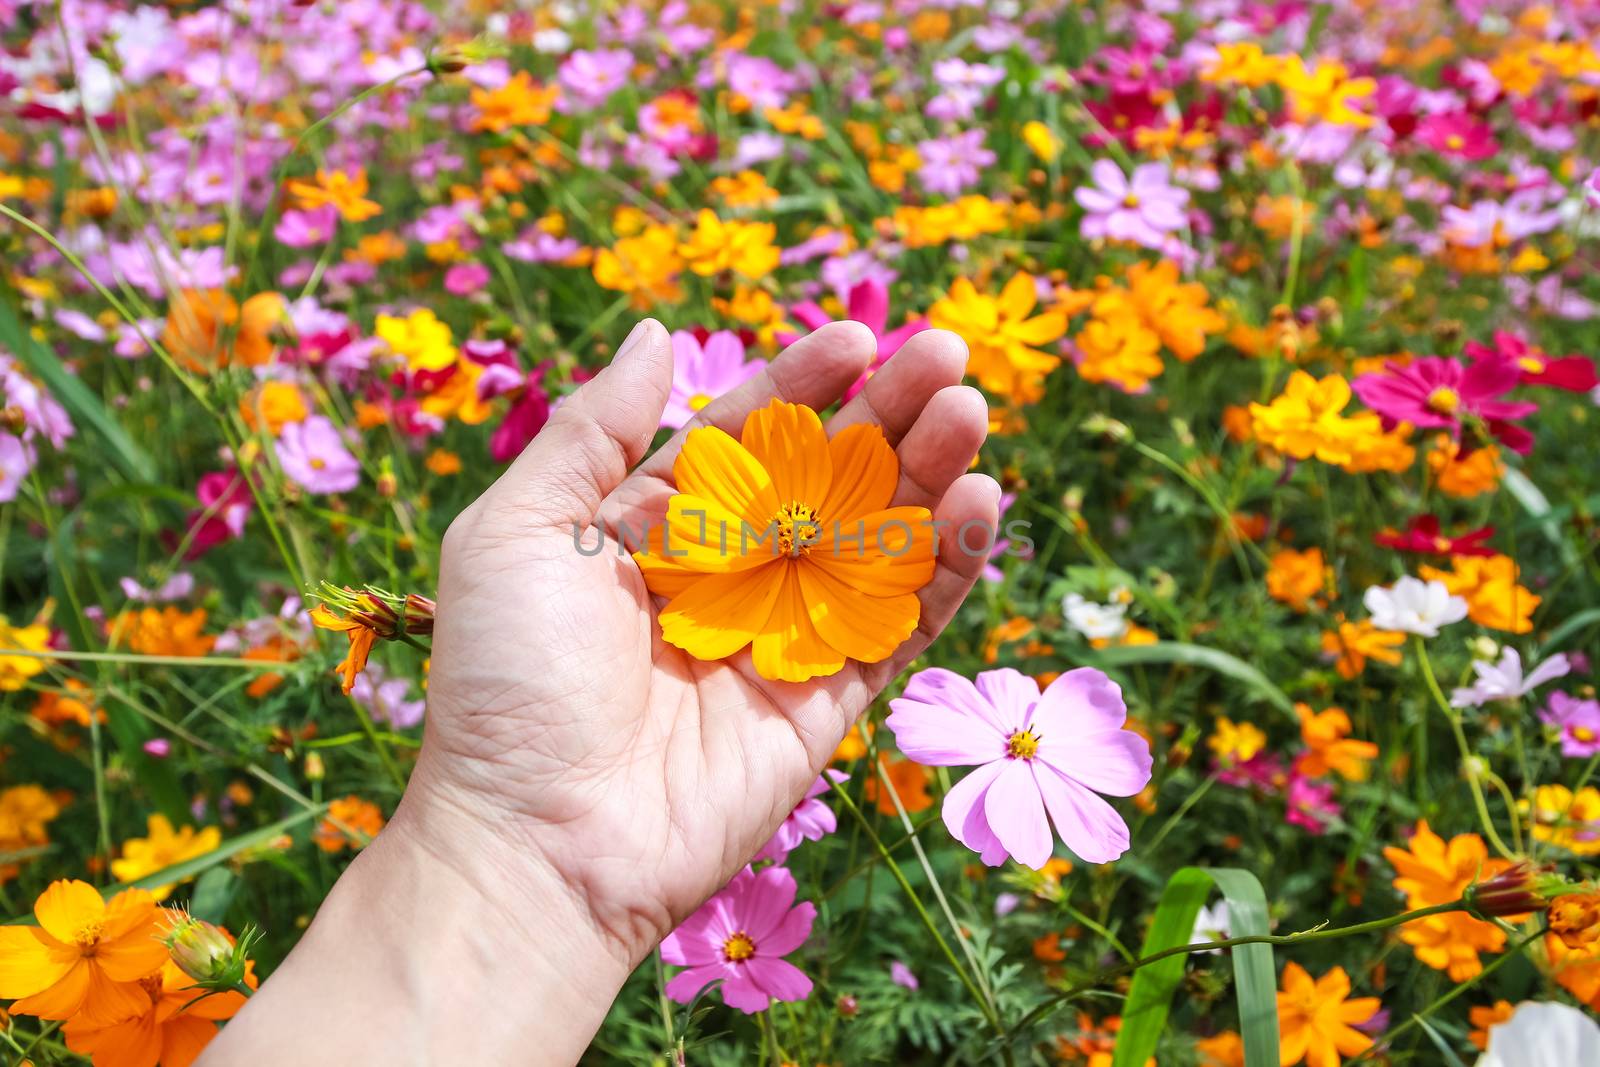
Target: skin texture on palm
{"points": [[582, 782]]}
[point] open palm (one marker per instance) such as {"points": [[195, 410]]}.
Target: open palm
{"points": [[561, 723]]}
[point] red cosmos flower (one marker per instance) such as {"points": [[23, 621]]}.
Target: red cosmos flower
{"points": [[1433, 391], [1573, 373], [1457, 134], [1422, 535]]}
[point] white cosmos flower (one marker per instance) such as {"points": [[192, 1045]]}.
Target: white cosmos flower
{"points": [[1414, 606], [1095, 621], [1543, 1034], [1211, 923], [1505, 681]]}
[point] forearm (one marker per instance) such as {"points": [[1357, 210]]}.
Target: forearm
{"points": [[408, 963]]}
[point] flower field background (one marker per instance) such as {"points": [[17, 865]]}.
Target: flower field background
{"points": [[1286, 318]]}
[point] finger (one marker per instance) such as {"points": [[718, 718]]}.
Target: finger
{"points": [[814, 371], [967, 519], [894, 396], [941, 444], [600, 431]]}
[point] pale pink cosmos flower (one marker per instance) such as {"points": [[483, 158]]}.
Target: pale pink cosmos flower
{"points": [[1506, 680], [740, 936], [1036, 753], [1143, 209], [701, 372], [313, 454], [811, 820]]}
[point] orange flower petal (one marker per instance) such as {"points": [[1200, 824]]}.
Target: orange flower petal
{"points": [[865, 628], [715, 467], [790, 649], [886, 553], [866, 473], [704, 536], [31, 961], [63, 999], [719, 614], [789, 441], [66, 907], [185, 1037], [1019, 296]]}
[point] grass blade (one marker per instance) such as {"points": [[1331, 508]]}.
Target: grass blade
{"points": [[1223, 663], [1144, 1016]]}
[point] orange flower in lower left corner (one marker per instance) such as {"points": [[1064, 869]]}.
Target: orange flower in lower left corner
{"points": [[85, 958], [784, 541], [171, 1029]]}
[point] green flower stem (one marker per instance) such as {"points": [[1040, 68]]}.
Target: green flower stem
{"points": [[1469, 762], [922, 912]]}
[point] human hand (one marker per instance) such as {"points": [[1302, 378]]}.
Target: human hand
{"points": [[574, 765]]}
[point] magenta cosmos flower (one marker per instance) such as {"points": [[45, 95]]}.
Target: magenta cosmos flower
{"points": [[1459, 135], [1433, 391], [811, 820], [740, 936], [1142, 210], [1035, 754], [868, 305], [703, 371]]}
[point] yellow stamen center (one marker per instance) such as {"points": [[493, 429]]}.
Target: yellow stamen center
{"points": [[1444, 400], [1130, 201], [738, 947], [1022, 744], [317, 463], [1455, 142], [1441, 544], [798, 529], [1531, 364], [1582, 733], [88, 935], [698, 401]]}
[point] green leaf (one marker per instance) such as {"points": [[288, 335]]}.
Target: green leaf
{"points": [[182, 872], [1573, 625], [86, 408], [1196, 656], [212, 894], [1144, 1015]]}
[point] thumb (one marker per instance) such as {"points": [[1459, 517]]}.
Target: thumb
{"points": [[597, 433]]}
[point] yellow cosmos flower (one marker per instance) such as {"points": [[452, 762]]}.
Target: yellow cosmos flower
{"points": [[743, 247], [1002, 333], [16, 670], [644, 265], [346, 191], [785, 541], [519, 102], [1566, 819], [165, 846], [1494, 599], [424, 341]]}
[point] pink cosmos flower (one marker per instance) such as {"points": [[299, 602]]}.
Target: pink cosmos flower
{"points": [[1311, 805], [1578, 722], [1459, 135], [741, 936], [302, 229], [1434, 391], [951, 164], [590, 77], [811, 820], [703, 371], [1035, 753], [225, 504], [1142, 210], [464, 279], [868, 304], [1576, 374], [313, 454], [902, 975], [16, 461], [503, 376]]}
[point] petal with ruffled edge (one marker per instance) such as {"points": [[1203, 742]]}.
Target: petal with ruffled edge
{"points": [[884, 553], [1091, 828], [864, 628], [789, 649], [1016, 812], [713, 465], [866, 473], [937, 687], [789, 442], [719, 614]]}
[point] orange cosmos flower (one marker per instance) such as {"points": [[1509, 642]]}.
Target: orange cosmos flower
{"points": [[1004, 337], [1353, 643], [1329, 747], [166, 631], [345, 190], [1433, 872], [208, 328], [785, 541], [910, 782], [1316, 1018], [361, 636], [85, 957], [351, 821], [173, 1027], [519, 102], [1494, 599], [1298, 578]]}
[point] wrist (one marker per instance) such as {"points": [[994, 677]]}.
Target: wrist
{"points": [[458, 952]]}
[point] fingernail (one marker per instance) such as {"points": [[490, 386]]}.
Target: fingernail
{"points": [[630, 344]]}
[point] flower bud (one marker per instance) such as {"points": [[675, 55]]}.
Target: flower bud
{"points": [[205, 953], [1517, 890]]}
